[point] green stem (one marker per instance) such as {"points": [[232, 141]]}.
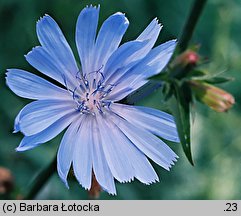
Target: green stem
{"points": [[190, 24], [41, 179]]}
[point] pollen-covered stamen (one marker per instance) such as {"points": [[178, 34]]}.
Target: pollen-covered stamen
{"points": [[90, 93]]}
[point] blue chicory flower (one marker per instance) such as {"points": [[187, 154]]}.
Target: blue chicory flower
{"points": [[104, 137]]}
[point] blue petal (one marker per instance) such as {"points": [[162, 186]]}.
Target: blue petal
{"points": [[137, 76], [155, 121], [148, 143], [66, 150], [40, 59], [16, 121], [29, 142], [118, 162], [123, 58], [109, 38], [140, 166], [82, 161], [118, 95], [151, 33], [28, 85], [39, 115], [54, 42], [144, 171], [153, 63], [85, 37], [100, 167]]}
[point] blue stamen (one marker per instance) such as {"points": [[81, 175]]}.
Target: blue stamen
{"points": [[87, 96], [94, 84], [82, 88], [98, 106], [97, 86], [86, 84], [74, 95], [76, 76]]}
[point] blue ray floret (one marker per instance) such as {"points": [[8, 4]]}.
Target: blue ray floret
{"points": [[104, 137]]}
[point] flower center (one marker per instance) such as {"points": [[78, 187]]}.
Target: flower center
{"points": [[90, 94]]}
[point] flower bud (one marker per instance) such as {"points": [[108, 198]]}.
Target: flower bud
{"points": [[188, 57], [6, 181], [216, 98]]}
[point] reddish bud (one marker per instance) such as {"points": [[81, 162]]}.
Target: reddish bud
{"points": [[188, 57], [216, 98]]}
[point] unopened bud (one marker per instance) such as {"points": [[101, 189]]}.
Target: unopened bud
{"points": [[188, 57], [216, 98], [6, 181]]}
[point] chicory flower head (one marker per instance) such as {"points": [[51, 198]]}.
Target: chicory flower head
{"points": [[103, 137]]}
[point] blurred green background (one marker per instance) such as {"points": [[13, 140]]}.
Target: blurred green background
{"points": [[216, 138]]}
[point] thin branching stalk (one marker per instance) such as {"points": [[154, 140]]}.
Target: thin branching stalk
{"points": [[190, 24]]}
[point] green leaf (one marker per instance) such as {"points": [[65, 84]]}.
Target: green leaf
{"points": [[180, 104], [196, 73], [167, 91], [212, 79], [218, 80]]}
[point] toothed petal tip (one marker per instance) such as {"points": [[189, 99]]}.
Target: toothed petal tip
{"points": [[41, 19], [92, 7], [112, 193], [151, 181]]}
